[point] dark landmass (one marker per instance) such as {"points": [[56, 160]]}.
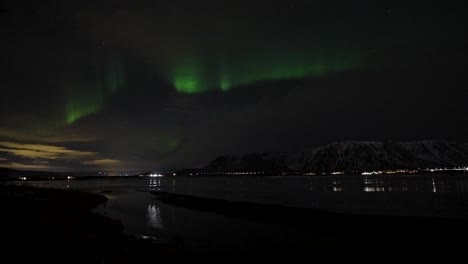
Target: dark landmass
{"points": [[337, 231], [349, 157], [57, 226], [8, 174], [12, 174]]}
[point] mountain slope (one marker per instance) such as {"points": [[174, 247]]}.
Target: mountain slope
{"points": [[350, 156]]}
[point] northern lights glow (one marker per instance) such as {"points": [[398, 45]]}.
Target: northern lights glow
{"points": [[197, 74], [88, 97], [191, 76], [78, 108], [188, 76]]}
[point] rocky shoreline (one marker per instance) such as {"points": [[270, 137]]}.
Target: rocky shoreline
{"points": [[58, 226]]}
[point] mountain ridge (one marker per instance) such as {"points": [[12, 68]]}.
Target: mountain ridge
{"points": [[350, 157]]}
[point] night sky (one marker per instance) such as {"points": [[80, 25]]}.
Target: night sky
{"points": [[144, 85]]}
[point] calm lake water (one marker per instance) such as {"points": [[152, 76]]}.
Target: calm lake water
{"points": [[204, 232]]}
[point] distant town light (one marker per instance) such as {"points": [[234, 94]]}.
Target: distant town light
{"points": [[371, 173], [337, 173]]}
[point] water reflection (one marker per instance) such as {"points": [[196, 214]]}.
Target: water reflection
{"points": [[420, 184], [154, 217], [155, 184], [161, 184], [223, 186], [384, 185], [372, 184], [337, 186], [259, 187], [405, 194]]}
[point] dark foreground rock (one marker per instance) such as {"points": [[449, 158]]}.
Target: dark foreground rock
{"points": [[57, 226]]}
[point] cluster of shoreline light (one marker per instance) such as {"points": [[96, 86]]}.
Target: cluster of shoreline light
{"points": [[155, 175], [388, 172], [231, 173], [445, 169], [404, 171], [378, 172], [50, 178], [414, 171]]}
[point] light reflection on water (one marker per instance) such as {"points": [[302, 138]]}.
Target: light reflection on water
{"points": [[394, 194], [244, 187], [427, 194], [239, 187], [154, 185], [199, 231], [432, 184], [337, 187], [202, 232], [154, 217], [379, 185]]}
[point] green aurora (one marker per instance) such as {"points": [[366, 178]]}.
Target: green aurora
{"points": [[88, 98], [196, 74], [190, 76], [76, 111], [83, 103]]}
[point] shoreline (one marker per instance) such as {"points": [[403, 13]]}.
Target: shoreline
{"points": [[73, 233], [333, 230], [55, 225]]}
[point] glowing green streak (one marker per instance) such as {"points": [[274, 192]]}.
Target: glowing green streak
{"points": [[87, 98], [225, 81], [190, 76], [83, 101], [225, 84], [186, 85], [75, 112], [187, 77]]}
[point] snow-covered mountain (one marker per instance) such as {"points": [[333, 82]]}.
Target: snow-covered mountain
{"points": [[350, 156]]}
